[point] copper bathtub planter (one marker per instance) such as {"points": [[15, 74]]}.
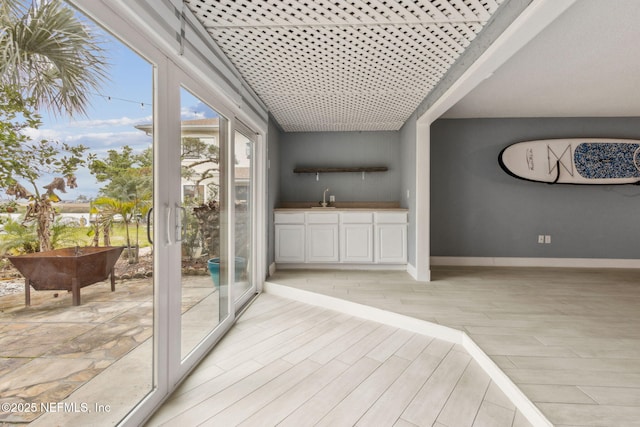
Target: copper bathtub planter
{"points": [[69, 269]]}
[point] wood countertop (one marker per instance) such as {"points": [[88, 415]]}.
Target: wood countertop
{"points": [[340, 206]]}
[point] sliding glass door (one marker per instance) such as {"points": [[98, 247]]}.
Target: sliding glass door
{"points": [[202, 215], [201, 163], [244, 154]]}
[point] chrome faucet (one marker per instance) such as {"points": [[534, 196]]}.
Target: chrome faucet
{"points": [[324, 198]]}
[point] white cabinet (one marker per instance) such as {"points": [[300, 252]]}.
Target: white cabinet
{"points": [[322, 237], [391, 243], [289, 218], [390, 239], [346, 237], [356, 237], [290, 237], [322, 243], [290, 242]]}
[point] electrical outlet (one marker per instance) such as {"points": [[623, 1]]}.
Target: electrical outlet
{"points": [[332, 198], [547, 239], [540, 238]]}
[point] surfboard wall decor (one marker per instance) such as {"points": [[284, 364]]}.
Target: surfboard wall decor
{"points": [[574, 161]]}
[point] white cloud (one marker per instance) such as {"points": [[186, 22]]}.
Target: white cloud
{"points": [[122, 121], [190, 114], [40, 134], [94, 140], [109, 139], [118, 132]]}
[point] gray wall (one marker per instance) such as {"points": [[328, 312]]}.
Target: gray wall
{"points": [[337, 149], [478, 210], [273, 184]]}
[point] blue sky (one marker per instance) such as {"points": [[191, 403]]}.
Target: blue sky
{"points": [[122, 103], [110, 122]]}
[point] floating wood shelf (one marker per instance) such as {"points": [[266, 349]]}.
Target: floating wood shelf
{"points": [[343, 169]]}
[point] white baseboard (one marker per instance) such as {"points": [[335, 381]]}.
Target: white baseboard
{"points": [[366, 312], [272, 269], [338, 266], [519, 399], [413, 272], [534, 262]]}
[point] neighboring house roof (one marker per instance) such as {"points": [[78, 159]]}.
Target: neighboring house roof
{"points": [[215, 121], [191, 125]]}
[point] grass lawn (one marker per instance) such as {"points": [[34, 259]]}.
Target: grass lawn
{"points": [[81, 237], [72, 235], [15, 242]]}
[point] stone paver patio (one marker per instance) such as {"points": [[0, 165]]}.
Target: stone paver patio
{"points": [[50, 349], [53, 352]]}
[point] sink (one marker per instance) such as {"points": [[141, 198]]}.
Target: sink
{"points": [[323, 207]]}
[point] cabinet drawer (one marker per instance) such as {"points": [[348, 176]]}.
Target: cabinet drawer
{"points": [[289, 218], [322, 218], [357, 217], [391, 217]]}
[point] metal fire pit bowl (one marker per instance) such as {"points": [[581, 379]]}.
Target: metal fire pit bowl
{"points": [[67, 269]]}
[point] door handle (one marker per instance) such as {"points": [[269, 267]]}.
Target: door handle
{"points": [[149, 226], [181, 223], [168, 229]]}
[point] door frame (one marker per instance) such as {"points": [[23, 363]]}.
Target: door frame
{"points": [[131, 22], [258, 215]]}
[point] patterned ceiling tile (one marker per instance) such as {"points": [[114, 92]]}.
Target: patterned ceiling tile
{"points": [[351, 65]]}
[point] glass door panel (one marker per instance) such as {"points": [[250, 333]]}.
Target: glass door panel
{"points": [[243, 213], [80, 341], [204, 272]]}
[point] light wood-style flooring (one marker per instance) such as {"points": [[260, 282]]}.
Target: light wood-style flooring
{"points": [[568, 338], [287, 363]]}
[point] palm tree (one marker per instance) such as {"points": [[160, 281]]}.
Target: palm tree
{"points": [[50, 55], [130, 207], [108, 208], [52, 60]]}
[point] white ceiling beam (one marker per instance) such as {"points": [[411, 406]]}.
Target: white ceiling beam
{"points": [[347, 24], [537, 16]]}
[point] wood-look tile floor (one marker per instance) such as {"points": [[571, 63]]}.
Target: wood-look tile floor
{"points": [[568, 338], [286, 363]]}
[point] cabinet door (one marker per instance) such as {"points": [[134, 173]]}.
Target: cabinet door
{"points": [[322, 243], [289, 243], [391, 243], [356, 243]]}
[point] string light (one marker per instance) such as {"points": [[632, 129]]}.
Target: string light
{"points": [[110, 98]]}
